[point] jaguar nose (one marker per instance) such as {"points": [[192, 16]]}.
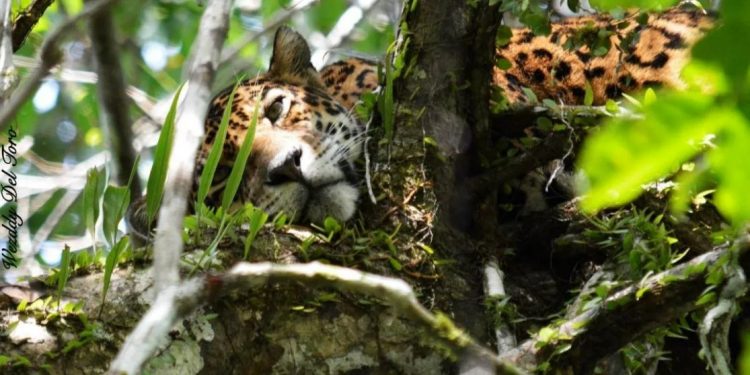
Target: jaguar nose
{"points": [[287, 171]]}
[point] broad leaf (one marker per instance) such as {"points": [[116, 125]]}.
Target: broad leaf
{"points": [[624, 154]]}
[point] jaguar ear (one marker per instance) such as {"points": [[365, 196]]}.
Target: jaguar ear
{"points": [[291, 57]]}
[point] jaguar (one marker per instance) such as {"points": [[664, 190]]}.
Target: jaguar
{"points": [[308, 139]]}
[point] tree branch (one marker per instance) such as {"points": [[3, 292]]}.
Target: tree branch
{"points": [[112, 94], [621, 318], [177, 302], [8, 74], [188, 133], [714, 329], [26, 20], [231, 52], [553, 147], [49, 56]]}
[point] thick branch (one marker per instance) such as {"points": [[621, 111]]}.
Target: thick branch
{"points": [[176, 302], [26, 20], [188, 133], [49, 56], [621, 318], [553, 147], [112, 94]]}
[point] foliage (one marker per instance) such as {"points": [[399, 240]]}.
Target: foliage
{"points": [[639, 242]]}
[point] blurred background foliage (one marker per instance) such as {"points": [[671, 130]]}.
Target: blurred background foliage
{"points": [[62, 123]]}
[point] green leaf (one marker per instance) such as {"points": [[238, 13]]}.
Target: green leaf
{"points": [[544, 124], [649, 97], [238, 169], [503, 64], [504, 33], [395, 264], [116, 200], [717, 45], [588, 98], [639, 4], [708, 298], [214, 156], [549, 103], [530, 95], [92, 194], [600, 51], [257, 217], [537, 21], [111, 263], [64, 273], [331, 225], [729, 161], [22, 305], [158, 175], [625, 154], [611, 106]]}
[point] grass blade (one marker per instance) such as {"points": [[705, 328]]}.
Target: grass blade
{"points": [[64, 273], [257, 217], [238, 169], [209, 170], [116, 199], [92, 194], [112, 258], [116, 202], [158, 175]]}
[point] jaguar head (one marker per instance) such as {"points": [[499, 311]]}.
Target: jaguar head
{"points": [[305, 145]]}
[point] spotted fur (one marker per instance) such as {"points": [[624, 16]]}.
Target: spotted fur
{"points": [[306, 139], [642, 55]]}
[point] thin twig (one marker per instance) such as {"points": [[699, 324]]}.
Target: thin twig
{"points": [[342, 29], [26, 20], [177, 302], [51, 221], [112, 96], [168, 241], [8, 74], [230, 52], [140, 98], [49, 56]]}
